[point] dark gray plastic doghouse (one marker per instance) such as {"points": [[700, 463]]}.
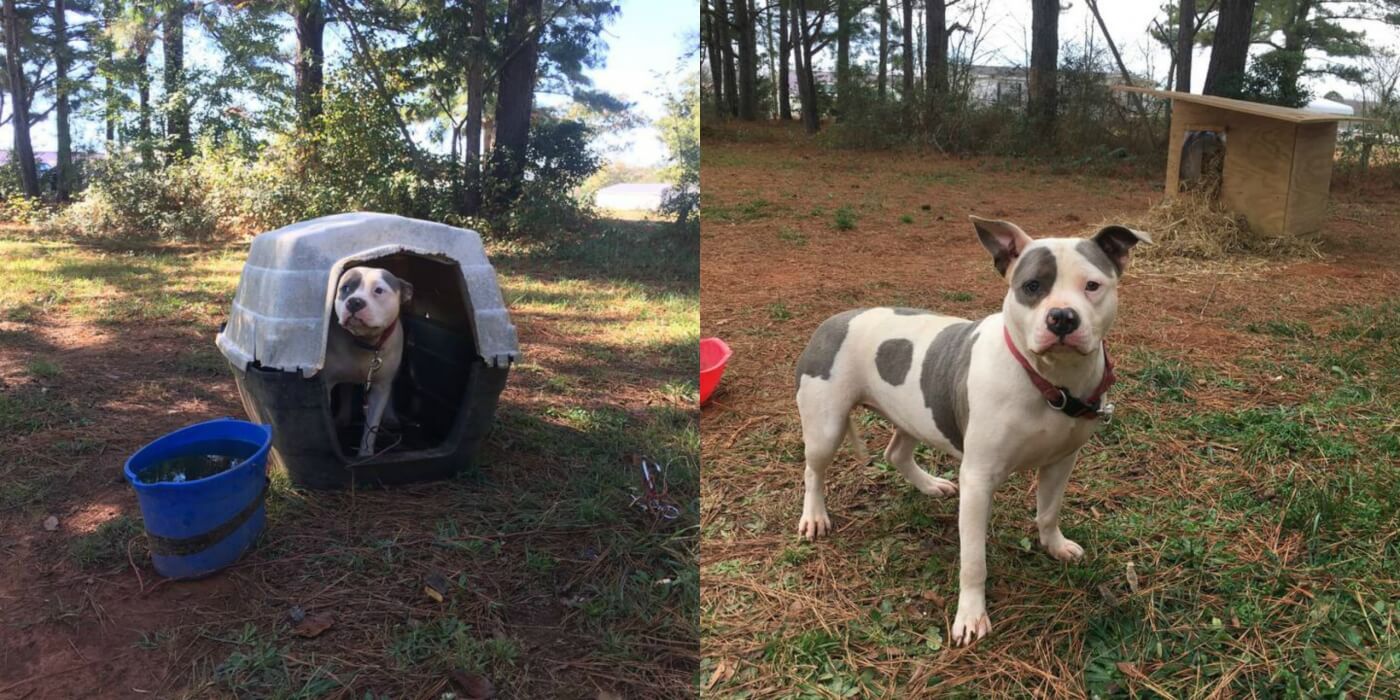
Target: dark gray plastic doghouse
{"points": [[459, 345]]}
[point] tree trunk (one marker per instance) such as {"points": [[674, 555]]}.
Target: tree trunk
{"points": [[1230, 51], [177, 116], [936, 71], [1185, 40], [23, 152], [61, 105], [784, 57], [908, 52], [711, 30], [1045, 45], [748, 63], [109, 89], [843, 56], [726, 50], [768, 49], [882, 74], [309, 17], [514, 102], [144, 134], [806, 79], [476, 96]]}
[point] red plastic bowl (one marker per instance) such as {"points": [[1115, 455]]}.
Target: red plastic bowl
{"points": [[714, 354]]}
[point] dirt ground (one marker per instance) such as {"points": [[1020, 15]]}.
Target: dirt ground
{"points": [[556, 586], [1250, 481]]}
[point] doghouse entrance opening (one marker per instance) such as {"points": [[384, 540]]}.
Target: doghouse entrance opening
{"points": [[431, 390], [1202, 161]]}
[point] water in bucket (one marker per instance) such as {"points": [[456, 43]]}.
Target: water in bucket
{"points": [[198, 461]]}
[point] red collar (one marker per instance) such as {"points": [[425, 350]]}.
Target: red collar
{"points": [[378, 344], [1059, 398]]}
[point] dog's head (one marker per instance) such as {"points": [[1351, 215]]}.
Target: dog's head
{"points": [[367, 299], [1063, 294]]}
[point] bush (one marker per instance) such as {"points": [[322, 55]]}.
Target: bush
{"points": [[127, 200]]}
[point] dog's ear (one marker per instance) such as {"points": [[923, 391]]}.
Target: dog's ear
{"points": [[400, 285], [1117, 243], [1003, 239]]}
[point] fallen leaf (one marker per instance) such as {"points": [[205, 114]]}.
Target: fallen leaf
{"points": [[1132, 578], [435, 586], [931, 596], [313, 625], [724, 670], [474, 687], [51, 523], [1108, 596]]}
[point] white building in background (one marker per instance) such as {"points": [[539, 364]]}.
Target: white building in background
{"points": [[647, 196]]}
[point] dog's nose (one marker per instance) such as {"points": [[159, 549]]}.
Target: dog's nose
{"points": [[1062, 322], [354, 304]]}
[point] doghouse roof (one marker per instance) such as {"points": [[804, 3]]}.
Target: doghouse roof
{"points": [[284, 297], [1288, 114]]}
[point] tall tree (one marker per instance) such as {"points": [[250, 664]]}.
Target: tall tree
{"points": [[177, 101], [907, 50], [710, 21], [476, 100], [1185, 41], [748, 61], [808, 28], [785, 45], [1045, 44], [309, 21], [514, 101], [1230, 48], [61, 59], [16, 27], [882, 73], [843, 54], [726, 49], [936, 64]]}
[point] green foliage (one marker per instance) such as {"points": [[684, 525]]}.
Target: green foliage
{"points": [[128, 200], [680, 130], [1272, 78]]}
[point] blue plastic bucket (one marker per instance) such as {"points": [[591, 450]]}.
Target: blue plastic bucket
{"points": [[199, 526]]}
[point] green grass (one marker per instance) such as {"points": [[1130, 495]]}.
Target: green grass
{"points": [[958, 296], [845, 218], [44, 369], [778, 311], [107, 546], [793, 236], [906, 219]]}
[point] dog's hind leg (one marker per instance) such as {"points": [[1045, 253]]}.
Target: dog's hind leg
{"points": [[854, 439], [900, 454], [824, 424]]}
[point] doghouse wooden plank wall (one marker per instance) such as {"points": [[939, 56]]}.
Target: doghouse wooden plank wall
{"points": [[1278, 160]]}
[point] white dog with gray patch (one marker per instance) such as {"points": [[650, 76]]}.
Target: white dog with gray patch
{"points": [[1021, 389], [366, 347]]}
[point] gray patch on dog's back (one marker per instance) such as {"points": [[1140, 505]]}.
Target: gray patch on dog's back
{"points": [[893, 359], [906, 311], [1037, 264], [1094, 254], [820, 355], [944, 379], [349, 283]]}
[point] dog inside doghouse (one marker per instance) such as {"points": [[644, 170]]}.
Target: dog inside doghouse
{"points": [[428, 381], [1202, 162]]}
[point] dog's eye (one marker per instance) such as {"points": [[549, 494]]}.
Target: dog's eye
{"points": [[378, 290], [345, 288], [1092, 286], [1032, 286]]}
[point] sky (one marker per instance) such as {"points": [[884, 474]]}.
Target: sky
{"points": [[647, 43], [1008, 38]]}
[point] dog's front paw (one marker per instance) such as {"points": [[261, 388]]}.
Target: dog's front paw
{"points": [[812, 526], [1065, 549], [971, 624]]}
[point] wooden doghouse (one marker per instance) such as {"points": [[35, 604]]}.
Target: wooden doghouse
{"points": [[1278, 160]]}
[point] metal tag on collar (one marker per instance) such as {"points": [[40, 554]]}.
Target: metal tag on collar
{"points": [[1106, 413], [1064, 401]]}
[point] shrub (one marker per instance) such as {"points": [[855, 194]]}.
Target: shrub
{"points": [[128, 200]]}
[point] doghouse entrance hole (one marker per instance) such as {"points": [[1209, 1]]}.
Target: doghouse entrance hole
{"points": [[440, 352], [1202, 160]]}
